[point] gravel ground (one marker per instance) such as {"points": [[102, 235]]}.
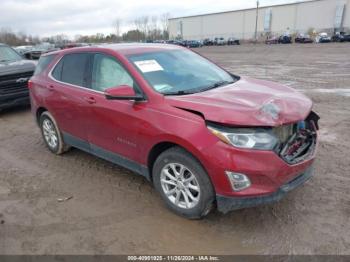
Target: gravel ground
{"points": [[114, 211]]}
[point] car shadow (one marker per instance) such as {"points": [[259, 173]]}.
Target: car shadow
{"points": [[14, 110]]}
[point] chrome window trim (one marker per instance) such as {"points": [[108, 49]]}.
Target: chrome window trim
{"points": [[87, 88], [65, 83]]}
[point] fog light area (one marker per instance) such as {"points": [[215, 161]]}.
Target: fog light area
{"points": [[238, 181]]}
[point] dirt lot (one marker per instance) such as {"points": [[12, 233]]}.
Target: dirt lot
{"points": [[116, 212]]}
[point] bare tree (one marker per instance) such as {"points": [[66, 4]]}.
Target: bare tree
{"points": [[144, 21], [9, 37], [137, 24], [117, 25], [150, 27], [153, 28], [142, 24], [164, 19]]}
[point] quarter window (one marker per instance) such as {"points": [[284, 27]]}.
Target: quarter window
{"points": [[56, 73], [107, 72], [44, 61]]}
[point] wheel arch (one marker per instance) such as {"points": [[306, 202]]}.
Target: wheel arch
{"points": [[38, 113], [164, 145]]}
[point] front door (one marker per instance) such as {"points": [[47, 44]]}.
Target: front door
{"points": [[115, 126]]}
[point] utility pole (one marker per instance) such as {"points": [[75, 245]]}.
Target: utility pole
{"points": [[256, 21]]}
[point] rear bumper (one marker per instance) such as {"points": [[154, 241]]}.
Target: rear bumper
{"points": [[226, 204]]}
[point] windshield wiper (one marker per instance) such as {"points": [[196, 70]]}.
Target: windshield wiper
{"points": [[216, 85], [193, 91], [4, 60], [178, 93]]}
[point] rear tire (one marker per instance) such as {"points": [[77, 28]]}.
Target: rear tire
{"points": [[51, 134], [183, 183]]}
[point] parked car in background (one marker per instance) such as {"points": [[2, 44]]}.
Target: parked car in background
{"points": [[208, 42], [73, 45], [323, 38], [233, 41], [34, 52], [303, 39], [204, 137], [179, 42], [285, 39], [271, 40], [159, 41], [193, 43], [29, 52], [341, 37], [23, 49], [219, 41], [174, 42], [15, 72]]}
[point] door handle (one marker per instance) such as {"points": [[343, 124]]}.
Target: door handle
{"points": [[90, 100]]}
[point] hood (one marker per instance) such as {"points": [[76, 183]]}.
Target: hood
{"points": [[247, 102], [19, 66]]}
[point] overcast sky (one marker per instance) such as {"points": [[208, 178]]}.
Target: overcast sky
{"points": [[72, 17]]}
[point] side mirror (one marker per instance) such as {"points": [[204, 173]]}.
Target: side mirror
{"points": [[123, 92]]}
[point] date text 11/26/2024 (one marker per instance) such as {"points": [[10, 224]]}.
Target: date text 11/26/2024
{"points": [[173, 258]]}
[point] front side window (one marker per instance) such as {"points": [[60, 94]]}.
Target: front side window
{"points": [[177, 72], [107, 73], [72, 69]]}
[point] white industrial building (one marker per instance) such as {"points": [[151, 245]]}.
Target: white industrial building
{"points": [[300, 17]]}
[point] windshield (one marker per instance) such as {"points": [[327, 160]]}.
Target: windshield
{"points": [[8, 54], [180, 72]]}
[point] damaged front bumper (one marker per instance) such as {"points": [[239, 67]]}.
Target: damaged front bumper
{"points": [[226, 204]]}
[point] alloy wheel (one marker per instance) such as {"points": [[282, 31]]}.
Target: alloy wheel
{"points": [[180, 185], [50, 133]]}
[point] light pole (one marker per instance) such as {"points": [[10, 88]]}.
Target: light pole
{"points": [[256, 21]]}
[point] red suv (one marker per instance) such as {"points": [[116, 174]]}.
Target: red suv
{"points": [[203, 136]]}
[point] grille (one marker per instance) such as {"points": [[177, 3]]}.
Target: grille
{"points": [[297, 141], [9, 84], [283, 133]]}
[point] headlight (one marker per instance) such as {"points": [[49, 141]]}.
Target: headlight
{"points": [[251, 138]]}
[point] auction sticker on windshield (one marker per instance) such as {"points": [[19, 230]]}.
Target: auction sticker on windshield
{"points": [[147, 66]]}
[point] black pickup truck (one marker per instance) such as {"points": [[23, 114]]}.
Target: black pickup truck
{"points": [[15, 72]]}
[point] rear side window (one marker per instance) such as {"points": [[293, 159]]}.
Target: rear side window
{"points": [[44, 61], [72, 69]]}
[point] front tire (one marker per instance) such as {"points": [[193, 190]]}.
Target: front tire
{"points": [[51, 134], [183, 183]]}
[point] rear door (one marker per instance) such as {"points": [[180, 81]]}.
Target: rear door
{"points": [[69, 100]]}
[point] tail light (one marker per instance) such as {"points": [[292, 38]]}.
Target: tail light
{"points": [[30, 84]]}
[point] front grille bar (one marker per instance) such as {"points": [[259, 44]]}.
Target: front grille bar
{"points": [[300, 145]]}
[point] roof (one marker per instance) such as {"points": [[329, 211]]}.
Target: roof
{"points": [[244, 9], [136, 47], [125, 49]]}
